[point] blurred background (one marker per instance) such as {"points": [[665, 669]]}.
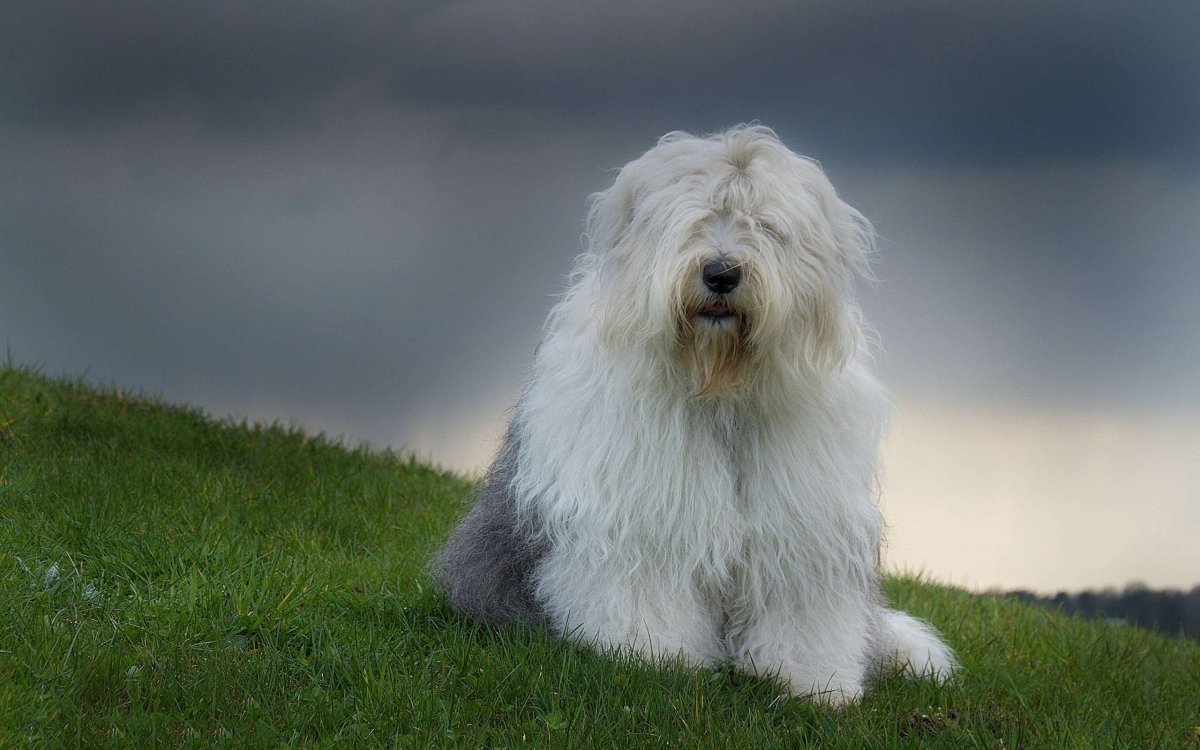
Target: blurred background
{"points": [[355, 216]]}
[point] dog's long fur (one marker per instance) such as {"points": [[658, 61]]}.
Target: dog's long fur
{"points": [[693, 474]]}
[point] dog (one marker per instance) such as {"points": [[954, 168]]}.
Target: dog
{"points": [[691, 470]]}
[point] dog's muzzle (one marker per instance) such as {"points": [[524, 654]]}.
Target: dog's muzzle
{"points": [[720, 278]]}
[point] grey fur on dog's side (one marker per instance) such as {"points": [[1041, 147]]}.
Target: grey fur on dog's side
{"points": [[486, 568]]}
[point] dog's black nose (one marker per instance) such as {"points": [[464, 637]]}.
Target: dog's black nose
{"points": [[721, 277]]}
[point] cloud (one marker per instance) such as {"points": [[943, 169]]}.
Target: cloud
{"points": [[979, 83], [1056, 285], [348, 274]]}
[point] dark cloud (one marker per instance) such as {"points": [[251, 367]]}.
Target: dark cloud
{"points": [[978, 82], [352, 274], [1065, 286]]}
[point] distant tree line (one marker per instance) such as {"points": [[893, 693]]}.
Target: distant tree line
{"points": [[1171, 611]]}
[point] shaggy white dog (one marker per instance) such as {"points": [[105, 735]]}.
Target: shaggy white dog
{"points": [[691, 471]]}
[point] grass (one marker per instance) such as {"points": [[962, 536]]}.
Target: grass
{"points": [[170, 580]]}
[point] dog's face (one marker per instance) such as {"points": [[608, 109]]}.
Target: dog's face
{"points": [[720, 253]]}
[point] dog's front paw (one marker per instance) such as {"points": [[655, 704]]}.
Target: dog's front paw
{"points": [[835, 697], [665, 648], [821, 688]]}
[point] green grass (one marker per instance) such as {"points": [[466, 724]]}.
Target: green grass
{"points": [[170, 580]]}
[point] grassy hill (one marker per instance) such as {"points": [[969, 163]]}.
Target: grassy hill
{"points": [[166, 579]]}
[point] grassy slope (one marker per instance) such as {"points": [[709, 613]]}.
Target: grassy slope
{"points": [[165, 579]]}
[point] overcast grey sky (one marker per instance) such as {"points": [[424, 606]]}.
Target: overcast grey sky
{"points": [[354, 216]]}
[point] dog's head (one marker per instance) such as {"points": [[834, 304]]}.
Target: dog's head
{"points": [[720, 253]]}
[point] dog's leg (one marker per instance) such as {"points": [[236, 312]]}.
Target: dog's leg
{"points": [[817, 647], [616, 610]]}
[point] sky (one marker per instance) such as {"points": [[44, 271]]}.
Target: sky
{"points": [[354, 217]]}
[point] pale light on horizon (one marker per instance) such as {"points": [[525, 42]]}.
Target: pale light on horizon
{"points": [[1043, 500]]}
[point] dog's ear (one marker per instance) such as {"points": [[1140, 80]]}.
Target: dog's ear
{"points": [[840, 233], [613, 241], [855, 239], [610, 213], [847, 242], [832, 335]]}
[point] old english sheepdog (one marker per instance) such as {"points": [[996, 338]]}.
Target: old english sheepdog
{"points": [[691, 471]]}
